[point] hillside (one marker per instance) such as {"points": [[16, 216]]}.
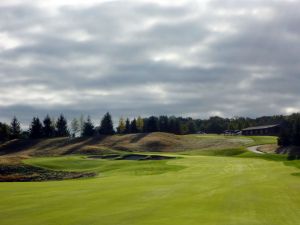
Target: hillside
{"points": [[145, 142], [95, 145], [13, 153]]}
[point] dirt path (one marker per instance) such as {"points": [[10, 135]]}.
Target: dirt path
{"points": [[255, 149]]}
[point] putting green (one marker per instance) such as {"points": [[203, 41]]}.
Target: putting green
{"points": [[190, 190]]}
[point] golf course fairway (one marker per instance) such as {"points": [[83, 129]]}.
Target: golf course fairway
{"points": [[188, 190]]}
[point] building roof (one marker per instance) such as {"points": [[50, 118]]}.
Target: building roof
{"points": [[261, 127]]}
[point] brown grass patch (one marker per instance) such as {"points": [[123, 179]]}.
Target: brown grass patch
{"points": [[22, 172], [272, 148]]}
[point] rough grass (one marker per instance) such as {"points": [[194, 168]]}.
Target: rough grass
{"points": [[96, 145], [21, 172], [147, 142]]}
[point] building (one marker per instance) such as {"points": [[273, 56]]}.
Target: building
{"points": [[262, 130]]}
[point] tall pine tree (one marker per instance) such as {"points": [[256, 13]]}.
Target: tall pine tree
{"points": [[4, 132], [163, 123], [15, 129], [36, 128], [174, 125], [152, 124], [81, 124], [62, 127], [127, 127], [88, 128], [106, 127], [296, 130], [48, 128], [133, 127]]}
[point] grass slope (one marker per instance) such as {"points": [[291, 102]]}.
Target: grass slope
{"points": [[158, 142], [96, 145]]}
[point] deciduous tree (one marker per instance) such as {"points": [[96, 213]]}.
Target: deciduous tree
{"points": [[75, 129], [121, 127], [140, 124]]}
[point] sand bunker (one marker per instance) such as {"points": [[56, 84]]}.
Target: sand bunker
{"points": [[131, 157]]}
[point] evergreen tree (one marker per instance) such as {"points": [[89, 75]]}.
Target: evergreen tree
{"points": [[75, 129], [4, 132], [290, 131], [175, 126], [140, 124], [88, 128], [163, 124], [191, 127], [127, 127], [296, 130], [152, 124], [48, 128], [121, 127], [81, 124], [284, 138], [62, 127], [36, 128], [145, 122], [133, 127], [184, 128], [15, 129], [106, 127]]}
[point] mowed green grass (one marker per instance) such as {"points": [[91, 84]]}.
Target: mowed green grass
{"points": [[246, 189]]}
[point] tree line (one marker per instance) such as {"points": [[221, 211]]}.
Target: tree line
{"points": [[290, 131], [84, 127], [150, 124], [49, 128]]}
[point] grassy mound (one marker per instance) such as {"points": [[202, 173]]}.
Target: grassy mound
{"points": [[145, 142], [95, 145]]}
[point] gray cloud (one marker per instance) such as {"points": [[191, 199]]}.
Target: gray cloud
{"points": [[197, 58]]}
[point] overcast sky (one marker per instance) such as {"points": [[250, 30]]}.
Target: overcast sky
{"points": [[149, 57]]}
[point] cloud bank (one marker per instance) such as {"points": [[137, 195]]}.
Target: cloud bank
{"points": [[192, 58]]}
